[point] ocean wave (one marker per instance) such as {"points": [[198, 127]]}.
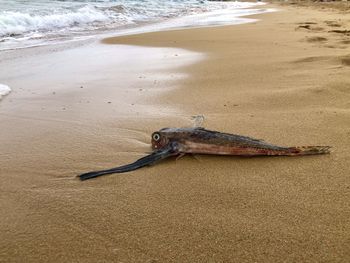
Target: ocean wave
{"points": [[17, 23], [4, 90]]}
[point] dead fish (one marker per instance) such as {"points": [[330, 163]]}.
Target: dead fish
{"points": [[169, 142]]}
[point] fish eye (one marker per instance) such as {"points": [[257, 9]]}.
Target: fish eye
{"points": [[156, 137]]}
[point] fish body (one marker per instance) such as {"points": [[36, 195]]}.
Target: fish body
{"points": [[169, 142], [202, 141]]}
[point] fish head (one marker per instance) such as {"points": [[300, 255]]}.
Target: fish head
{"points": [[159, 140]]}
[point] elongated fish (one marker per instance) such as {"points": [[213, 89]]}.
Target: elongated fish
{"points": [[169, 142]]}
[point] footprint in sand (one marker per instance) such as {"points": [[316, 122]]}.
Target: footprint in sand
{"points": [[346, 42], [341, 31], [306, 25], [330, 62], [311, 26], [345, 60], [311, 59], [316, 39], [332, 23]]}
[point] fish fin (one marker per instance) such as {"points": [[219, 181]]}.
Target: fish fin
{"points": [[180, 156], [144, 161], [198, 121], [195, 156]]}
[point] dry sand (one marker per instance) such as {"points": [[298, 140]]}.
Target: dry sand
{"points": [[284, 79]]}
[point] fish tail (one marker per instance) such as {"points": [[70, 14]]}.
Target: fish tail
{"points": [[309, 150]]}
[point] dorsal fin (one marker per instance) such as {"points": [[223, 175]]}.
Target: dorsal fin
{"points": [[198, 121]]}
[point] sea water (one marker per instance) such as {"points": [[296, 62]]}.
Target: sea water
{"points": [[36, 22]]}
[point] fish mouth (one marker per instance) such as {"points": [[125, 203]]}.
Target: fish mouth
{"points": [[169, 150]]}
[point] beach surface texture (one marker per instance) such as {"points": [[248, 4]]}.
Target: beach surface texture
{"points": [[284, 78]]}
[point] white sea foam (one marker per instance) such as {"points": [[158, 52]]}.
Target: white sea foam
{"points": [[16, 23], [4, 90]]}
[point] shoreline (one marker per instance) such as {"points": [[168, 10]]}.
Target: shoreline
{"points": [[281, 79], [234, 14]]}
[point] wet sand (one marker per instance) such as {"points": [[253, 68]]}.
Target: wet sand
{"points": [[284, 79]]}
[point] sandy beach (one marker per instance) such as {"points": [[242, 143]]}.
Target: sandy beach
{"points": [[284, 78]]}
